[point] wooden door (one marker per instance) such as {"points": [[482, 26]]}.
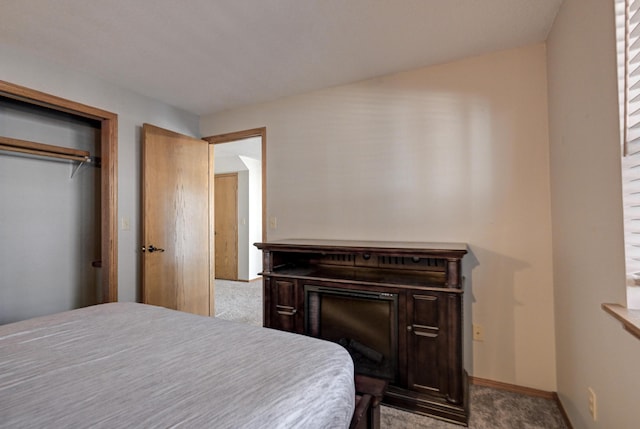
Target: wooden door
{"points": [[175, 221], [226, 226]]}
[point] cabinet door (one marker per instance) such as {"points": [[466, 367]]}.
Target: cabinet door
{"points": [[284, 305], [426, 343]]}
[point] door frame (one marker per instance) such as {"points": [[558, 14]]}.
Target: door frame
{"points": [[240, 135], [108, 174]]}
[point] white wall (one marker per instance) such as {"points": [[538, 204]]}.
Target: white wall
{"points": [[592, 349], [456, 152], [243, 225], [133, 110], [255, 216]]}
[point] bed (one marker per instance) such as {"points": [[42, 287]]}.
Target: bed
{"points": [[133, 365]]}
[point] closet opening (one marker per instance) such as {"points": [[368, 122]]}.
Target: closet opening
{"points": [[59, 216]]}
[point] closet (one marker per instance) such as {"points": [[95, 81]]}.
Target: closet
{"points": [[52, 219]]}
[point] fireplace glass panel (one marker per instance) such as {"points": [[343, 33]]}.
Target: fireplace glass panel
{"points": [[365, 323]]}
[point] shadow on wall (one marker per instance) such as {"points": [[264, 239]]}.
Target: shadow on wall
{"points": [[496, 312], [468, 264]]}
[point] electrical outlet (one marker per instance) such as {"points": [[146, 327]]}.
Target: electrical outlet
{"points": [[273, 222], [125, 224], [593, 404], [478, 332]]}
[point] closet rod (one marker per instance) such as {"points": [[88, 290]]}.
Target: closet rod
{"points": [[33, 148]]}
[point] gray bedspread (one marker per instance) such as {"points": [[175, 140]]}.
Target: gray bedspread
{"points": [[133, 365]]}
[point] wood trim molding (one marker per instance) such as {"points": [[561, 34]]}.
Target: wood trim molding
{"points": [[630, 319], [109, 195], [43, 99], [245, 134], [109, 176], [528, 391], [514, 388], [236, 135], [212, 241]]}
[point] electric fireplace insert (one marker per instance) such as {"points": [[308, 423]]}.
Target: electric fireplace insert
{"points": [[363, 322]]}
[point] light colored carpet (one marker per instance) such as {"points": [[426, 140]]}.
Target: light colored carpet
{"points": [[489, 408], [239, 301]]}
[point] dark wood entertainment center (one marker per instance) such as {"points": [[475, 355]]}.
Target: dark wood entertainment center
{"points": [[396, 306]]}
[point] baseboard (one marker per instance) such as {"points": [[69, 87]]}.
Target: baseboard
{"points": [[511, 388], [524, 391], [243, 280], [565, 416]]}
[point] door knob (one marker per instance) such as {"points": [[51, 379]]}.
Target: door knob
{"points": [[152, 249]]}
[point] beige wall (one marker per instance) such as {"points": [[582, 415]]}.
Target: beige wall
{"points": [[592, 349], [456, 152]]}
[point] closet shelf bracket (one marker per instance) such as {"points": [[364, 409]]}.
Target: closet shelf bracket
{"points": [[93, 160]]}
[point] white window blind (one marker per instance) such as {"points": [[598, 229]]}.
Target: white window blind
{"points": [[628, 39]]}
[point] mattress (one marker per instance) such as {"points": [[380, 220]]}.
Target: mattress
{"points": [[133, 365]]}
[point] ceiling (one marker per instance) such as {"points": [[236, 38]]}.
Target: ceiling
{"points": [[211, 55], [250, 147]]}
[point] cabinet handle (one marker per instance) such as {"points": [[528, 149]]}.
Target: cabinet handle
{"points": [[409, 328], [285, 310]]}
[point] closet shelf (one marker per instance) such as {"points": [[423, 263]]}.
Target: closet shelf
{"points": [[33, 148], [40, 149]]}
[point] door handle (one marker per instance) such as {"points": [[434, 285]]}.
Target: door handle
{"points": [[152, 249]]}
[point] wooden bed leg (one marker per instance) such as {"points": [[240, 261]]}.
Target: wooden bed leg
{"points": [[369, 393]]}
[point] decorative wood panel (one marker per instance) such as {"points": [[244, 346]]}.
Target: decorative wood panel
{"points": [[424, 341], [285, 306]]}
